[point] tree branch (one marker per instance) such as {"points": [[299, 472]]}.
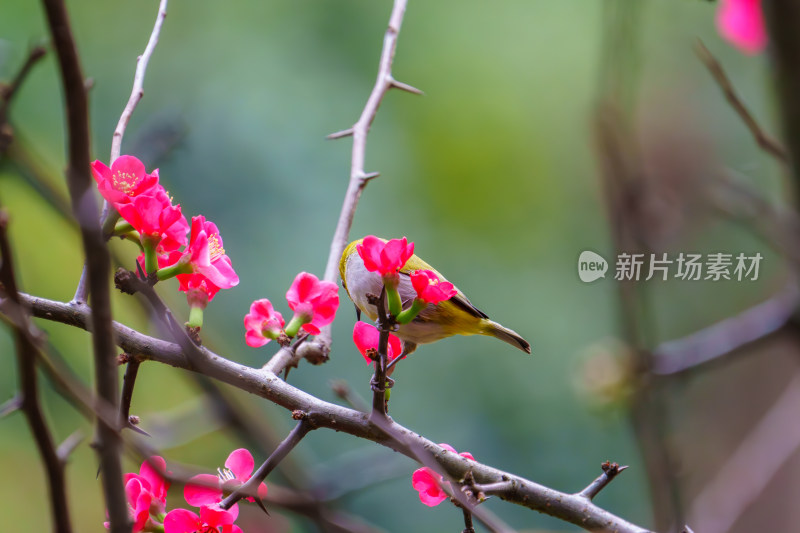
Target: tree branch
{"points": [[287, 445], [358, 176], [610, 471], [750, 468], [765, 141], [107, 216], [27, 338], [321, 414], [97, 259]]}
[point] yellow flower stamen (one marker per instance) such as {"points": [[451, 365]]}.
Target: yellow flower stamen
{"points": [[124, 182], [215, 249]]}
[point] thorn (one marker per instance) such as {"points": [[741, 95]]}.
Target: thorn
{"points": [[137, 429], [12, 405], [340, 134], [367, 177], [261, 505], [404, 86]]}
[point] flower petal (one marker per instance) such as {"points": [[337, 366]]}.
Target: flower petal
{"points": [[206, 492], [241, 463], [181, 521]]}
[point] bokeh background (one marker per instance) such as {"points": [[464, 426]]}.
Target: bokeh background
{"points": [[494, 173]]}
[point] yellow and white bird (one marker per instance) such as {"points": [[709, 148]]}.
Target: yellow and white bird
{"points": [[456, 316]]}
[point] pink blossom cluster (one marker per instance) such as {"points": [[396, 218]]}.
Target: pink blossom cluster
{"points": [[195, 255], [146, 493], [313, 301]]}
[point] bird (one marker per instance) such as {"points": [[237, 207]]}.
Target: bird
{"points": [[456, 316]]}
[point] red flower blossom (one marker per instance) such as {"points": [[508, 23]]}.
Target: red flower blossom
{"points": [[314, 301], [385, 258], [146, 493], [197, 286], [238, 470], [366, 336], [262, 323], [206, 255], [125, 179], [153, 215], [212, 519], [430, 288], [429, 483], [742, 23]]}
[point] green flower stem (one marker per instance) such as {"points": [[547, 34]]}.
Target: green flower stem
{"points": [[393, 301], [150, 257], [122, 226], [408, 315], [195, 317], [110, 223], [295, 324], [174, 270], [134, 237]]}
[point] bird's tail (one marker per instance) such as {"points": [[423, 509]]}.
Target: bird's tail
{"points": [[506, 335]]}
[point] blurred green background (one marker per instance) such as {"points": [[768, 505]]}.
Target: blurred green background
{"points": [[492, 173]]}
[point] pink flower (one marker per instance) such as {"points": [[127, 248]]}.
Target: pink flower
{"points": [[238, 470], [212, 519], [367, 336], [385, 258], [262, 323], [206, 255], [150, 473], [205, 490], [315, 300], [125, 179], [197, 287], [146, 493], [430, 288], [742, 23], [429, 483], [153, 215]]}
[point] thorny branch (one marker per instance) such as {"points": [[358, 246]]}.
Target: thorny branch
{"points": [[109, 217], [358, 176], [98, 263], [27, 338], [287, 445], [8, 91], [568, 507], [763, 139]]}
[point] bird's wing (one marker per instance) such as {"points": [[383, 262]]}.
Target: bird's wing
{"points": [[460, 300]]}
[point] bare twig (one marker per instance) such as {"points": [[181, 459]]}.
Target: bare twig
{"points": [[8, 91], [468, 528], [358, 176], [11, 405], [26, 338], [66, 448], [765, 141], [610, 471], [138, 83], [379, 379], [321, 414], [748, 471], [287, 445], [108, 217], [96, 254], [782, 19], [728, 335]]}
